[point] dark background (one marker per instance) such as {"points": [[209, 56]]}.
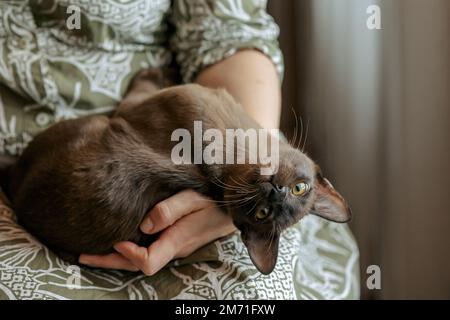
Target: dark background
{"points": [[378, 106]]}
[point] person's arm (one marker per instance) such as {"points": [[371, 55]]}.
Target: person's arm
{"points": [[251, 78]]}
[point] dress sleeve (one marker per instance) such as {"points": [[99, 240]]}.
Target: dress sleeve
{"points": [[208, 31]]}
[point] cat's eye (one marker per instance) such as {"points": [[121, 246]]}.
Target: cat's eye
{"points": [[300, 189], [262, 213]]}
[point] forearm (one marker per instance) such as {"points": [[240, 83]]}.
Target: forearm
{"points": [[251, 78]]}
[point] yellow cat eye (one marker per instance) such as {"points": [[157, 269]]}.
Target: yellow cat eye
{"points": [[300, 189], [262, 213]]}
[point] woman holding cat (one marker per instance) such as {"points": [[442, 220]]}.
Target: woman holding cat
{"points": [[251, 78], [219, 43]]}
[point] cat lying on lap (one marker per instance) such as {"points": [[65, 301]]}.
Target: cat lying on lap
{"points": [[83, 185]]}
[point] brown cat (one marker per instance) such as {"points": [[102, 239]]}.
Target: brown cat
{"points": [[83, 185]]}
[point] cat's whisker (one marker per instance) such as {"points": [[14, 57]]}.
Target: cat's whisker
{"points": [[224, 185], [246, 199], [220, 204], [271, 237], [238, 188], [243, 204], [252, 195], [279, 229], [294, 136], [240, 194], [244, 182], [306, 136], [237, 201], [253, 207], [239, 184], [231, 201], [235, 187], [297, 146]]}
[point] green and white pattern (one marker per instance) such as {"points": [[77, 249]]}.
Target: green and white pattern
{"points": [[317, 260], [49, 73]]}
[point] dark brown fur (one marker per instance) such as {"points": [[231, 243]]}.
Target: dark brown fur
{"points": [[83, 185]]}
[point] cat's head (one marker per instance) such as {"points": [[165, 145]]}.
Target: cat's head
{"points": [[262, 206]]}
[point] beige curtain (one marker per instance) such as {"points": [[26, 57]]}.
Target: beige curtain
{"points": [[378, 106]]}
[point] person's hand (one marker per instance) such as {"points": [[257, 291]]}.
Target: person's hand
{"points": [[189, 221]]}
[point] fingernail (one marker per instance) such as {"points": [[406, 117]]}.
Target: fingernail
{"points": [[147, 225]]}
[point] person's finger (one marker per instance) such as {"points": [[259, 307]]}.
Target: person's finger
{"points": [[149, 260], [179, 240], [134, 253], [201, 228], [166, 212], [109, 261]]}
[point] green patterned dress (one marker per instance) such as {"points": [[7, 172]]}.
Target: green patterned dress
{"points": [[69, 58]]}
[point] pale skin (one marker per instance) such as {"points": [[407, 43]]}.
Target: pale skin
{"points": [[189, 220]]}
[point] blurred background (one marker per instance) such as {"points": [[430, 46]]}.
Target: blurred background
{"points": [[378, 106]]}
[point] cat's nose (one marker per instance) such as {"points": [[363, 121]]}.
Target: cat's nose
{"points": [[278, 193], [281, 189], [278, 188]]}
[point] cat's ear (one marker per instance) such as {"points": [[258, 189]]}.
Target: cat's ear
{"points": [[262, 249], [329, 204]]}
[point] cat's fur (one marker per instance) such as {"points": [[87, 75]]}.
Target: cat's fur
{"points": [[83, 185]]}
